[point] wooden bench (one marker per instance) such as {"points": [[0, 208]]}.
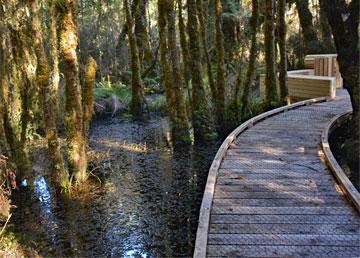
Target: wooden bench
{"points": [[303, 84], [309, 86]]}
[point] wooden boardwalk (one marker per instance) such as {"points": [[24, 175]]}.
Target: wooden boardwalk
{"points": [[271, 194]]}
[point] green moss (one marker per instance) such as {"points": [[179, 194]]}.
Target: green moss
{"points": [[210, 136], [12, 245]]}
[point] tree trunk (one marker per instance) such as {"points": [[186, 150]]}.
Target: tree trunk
{"points": [[88, 93], [344, 21], [73, 106], [343, 17], [220, 77], [281, 9], [230, 27], [23, 59], [42, 68], [171, 73], [15, 147], [204, 44], [270, 77], [184, 51], [4, 146], [137, 87], [254, 20], [200, 110], [51, 105], [310, 37], [142, 36], [181, 133], [327, 41]]}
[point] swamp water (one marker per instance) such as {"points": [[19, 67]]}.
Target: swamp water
{"points": [[147, 205]]}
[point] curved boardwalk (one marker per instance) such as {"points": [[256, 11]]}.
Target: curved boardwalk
{"points": [[274, 195]]}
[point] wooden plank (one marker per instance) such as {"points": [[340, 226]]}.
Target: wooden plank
{"points": [[274, 176], [271, 164], [326, 67], [330, 67], [276, 182], [219, 194], [281, 251], [274, 187], [277, 202], [250, 148], [293, 219], [232, 154], [234, 209], [293, 171], [285, 239], [286, 228]]}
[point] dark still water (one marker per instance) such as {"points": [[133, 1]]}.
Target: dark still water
{"points": [[146, 206]]}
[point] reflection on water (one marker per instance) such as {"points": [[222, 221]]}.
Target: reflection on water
{"points": [[147, 206], [42, 193]]}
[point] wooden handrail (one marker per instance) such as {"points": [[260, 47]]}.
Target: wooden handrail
{"points": [[351, 193]]}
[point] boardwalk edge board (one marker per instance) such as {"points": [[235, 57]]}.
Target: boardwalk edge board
{"points": [[351, 193], [204, 217]]}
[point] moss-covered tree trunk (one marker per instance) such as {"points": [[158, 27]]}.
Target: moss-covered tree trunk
{"points": [[230, 27], [171, 73], [220, 73], [200, 109], [10, 140], [42, 68], [4, 146], [281, 9], [88, 93], [203, 33], [306, 21], [269, 31], [73, 106], [51, 104], [184, 51], [250, 73], [181, 131], [142, 35], [165, 65], [24, 61], [137, 87]]}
